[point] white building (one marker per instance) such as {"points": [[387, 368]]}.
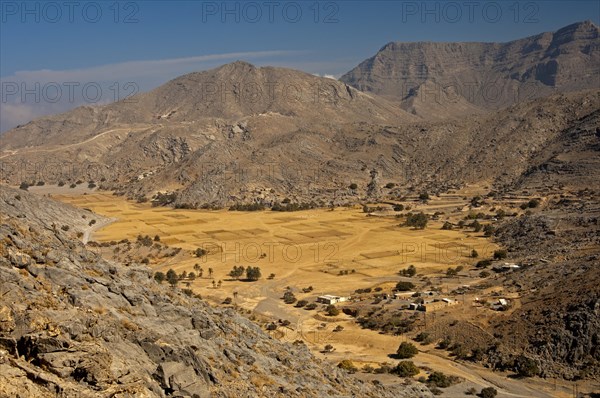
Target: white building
{"points": [[329, 299]]}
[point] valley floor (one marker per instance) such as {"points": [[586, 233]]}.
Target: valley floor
{"points": [[333, 252]]}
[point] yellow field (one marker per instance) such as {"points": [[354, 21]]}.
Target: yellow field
{"points": [[310, 247]]}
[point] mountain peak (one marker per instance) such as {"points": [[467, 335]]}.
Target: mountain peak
{"points": [[238, 64]]}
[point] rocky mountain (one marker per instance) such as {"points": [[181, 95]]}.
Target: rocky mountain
{"points": [[440, 80], [547, 142], [73, 324], [242, 134]]}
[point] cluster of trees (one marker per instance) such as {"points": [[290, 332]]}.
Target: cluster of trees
{"points": [[144, 240], [532, 204], [237, 272], [252, 273], [418, 220], [170, 277], [199, 252], [247, 207], [294, 206], [289, 297], [409, 272]]}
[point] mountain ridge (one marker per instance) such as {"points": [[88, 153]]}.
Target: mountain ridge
{"points": [[522, 69]]}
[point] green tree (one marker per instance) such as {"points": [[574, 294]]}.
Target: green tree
{"points": [[237, 272], [172, 277], [424, 197], [405, 369], [500, 254], [406, 350], [353, 186], [403, 286], [332, 310], [483, 263], [159, 277], [474, 253], [419, 221], [253, 273], [526, 367]]}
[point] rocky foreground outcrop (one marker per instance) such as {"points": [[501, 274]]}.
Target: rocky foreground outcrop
{"points": [[75, 325]]}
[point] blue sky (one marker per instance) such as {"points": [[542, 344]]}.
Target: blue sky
{"points": [[150, 42]]}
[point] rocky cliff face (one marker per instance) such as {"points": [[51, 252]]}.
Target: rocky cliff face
{"points": [[558, 323], [439, 80], [74, 325]]}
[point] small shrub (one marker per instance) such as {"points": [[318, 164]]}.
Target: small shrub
{"points": [[500, 254], [488, 392], [347, 365]]}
